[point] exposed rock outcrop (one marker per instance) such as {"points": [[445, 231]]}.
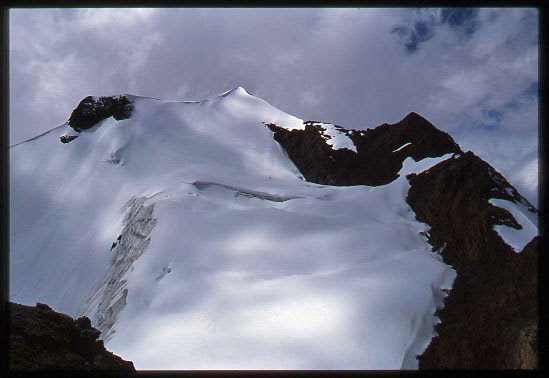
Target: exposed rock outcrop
{"points": [[490, 317], [92, 110], [42, 339], [67, 138], [375, 163]]}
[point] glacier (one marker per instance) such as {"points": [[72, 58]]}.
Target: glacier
{"points": [[192, 241]]}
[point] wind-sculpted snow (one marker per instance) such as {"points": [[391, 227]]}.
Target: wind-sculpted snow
{"points": [[339, 281], [203, 185], [193, 242]]}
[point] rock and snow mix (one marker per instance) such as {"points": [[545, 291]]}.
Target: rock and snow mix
{"points": [[245, 266], [517, 239], [403, 146], [336, 138]]}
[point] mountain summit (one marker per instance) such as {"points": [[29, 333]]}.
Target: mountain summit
{"points": [[227, 234]]}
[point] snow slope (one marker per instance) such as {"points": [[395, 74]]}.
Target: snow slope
{"points": [[192, 242]]}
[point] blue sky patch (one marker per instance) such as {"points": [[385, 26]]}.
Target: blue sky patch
{"points": [[464, 20], [422, 31], [532, 89], [494, 115]]}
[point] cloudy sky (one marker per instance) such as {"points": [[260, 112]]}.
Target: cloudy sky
{"points": [[471, 72]]}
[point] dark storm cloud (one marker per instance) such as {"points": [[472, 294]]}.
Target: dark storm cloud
{"points": [[460, 68]]}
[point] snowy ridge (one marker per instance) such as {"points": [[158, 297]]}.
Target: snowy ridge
{"points": [[187, 228], [39, 135]]}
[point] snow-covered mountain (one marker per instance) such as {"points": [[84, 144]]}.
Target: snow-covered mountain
{"points": [[227, 234]]}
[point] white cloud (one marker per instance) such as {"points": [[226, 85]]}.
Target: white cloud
{"points": [[523, 117], [310, 98], [467, 88], [339, 65], [526, 178], [111, 19], [180, 94]]}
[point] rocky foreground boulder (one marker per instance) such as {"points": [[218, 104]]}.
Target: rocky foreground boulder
{"points": [[42, 339]]}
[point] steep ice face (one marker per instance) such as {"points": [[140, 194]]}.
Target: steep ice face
{"points": [[186, 227], [109, 297]]}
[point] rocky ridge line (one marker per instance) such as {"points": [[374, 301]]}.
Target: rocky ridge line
{"points": [[489, 320], [375, 163]]}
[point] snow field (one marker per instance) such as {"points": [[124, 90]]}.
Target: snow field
{"points": [[266, 271], [259, 283]]}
